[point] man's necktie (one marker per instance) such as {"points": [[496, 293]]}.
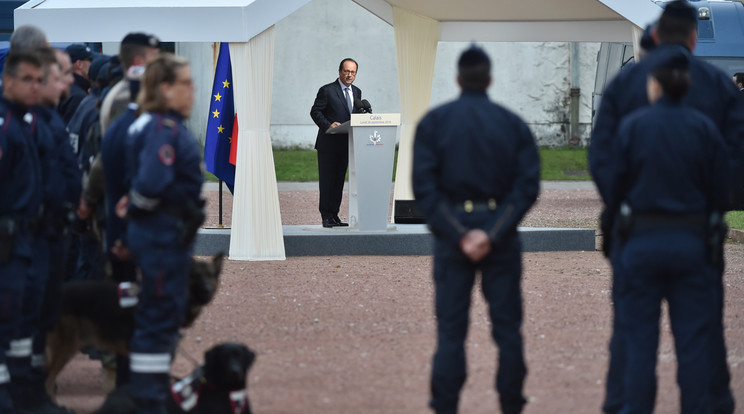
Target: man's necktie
{"points": [[347, 91]]}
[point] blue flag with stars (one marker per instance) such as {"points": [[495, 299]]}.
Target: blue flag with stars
{"points": [[221, 119]]}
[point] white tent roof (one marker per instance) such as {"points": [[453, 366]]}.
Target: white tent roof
{"points": [[527, 20], [171, 20]]}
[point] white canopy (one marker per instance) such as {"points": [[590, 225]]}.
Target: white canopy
{"points": [[172, 20], [526, 20]]}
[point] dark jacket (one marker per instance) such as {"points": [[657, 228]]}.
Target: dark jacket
{"points": [[711, 92], [669, 159], [78, 91], [21, 189], [331, 106], [474, 149]]}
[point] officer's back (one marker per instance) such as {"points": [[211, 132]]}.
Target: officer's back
{"points": [[474, 135], [711, 92]]}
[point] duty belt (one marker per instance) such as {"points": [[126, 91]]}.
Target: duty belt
{"points": [[470, 206], [657, 221]]}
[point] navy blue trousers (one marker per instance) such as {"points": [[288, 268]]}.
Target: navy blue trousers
{"points": [[652, 266], [165, 267], [12, 276], [454, 277], [721, 398], [29, 323]]}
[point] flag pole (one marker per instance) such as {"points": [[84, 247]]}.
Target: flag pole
{"points": [[220, 222]]}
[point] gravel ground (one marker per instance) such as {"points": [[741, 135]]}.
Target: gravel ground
{"points": [[356, 334]]}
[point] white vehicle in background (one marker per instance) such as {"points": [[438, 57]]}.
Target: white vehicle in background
{"points": [[720, 42]]}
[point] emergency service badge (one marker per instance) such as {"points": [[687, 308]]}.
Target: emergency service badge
{"points": [[376, 138], [167, 155]]}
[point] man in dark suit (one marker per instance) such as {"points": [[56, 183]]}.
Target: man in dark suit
{"points": [[333, 106]]}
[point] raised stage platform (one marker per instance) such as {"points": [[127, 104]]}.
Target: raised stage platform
{"points": [[398, 240]]}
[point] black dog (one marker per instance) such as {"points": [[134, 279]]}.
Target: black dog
{"points": [[217, 387]]}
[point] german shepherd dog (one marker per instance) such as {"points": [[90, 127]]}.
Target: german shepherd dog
{"points": [[217, 387], [91, 315]]}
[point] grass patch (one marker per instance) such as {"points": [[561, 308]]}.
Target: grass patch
{"points": [[735, 219], [296, 164], [564, 164]]}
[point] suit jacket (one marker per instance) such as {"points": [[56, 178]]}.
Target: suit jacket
{"points": [[330, 106]]}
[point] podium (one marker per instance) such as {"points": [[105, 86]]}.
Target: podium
{"points": [[372, 139]]}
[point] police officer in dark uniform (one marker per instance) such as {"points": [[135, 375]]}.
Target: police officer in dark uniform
{"points": [[165, 211], [86, 113], [114, 169], [712, 92], [20, 203], [116, 186], [476, 172], [81, 57], [670, 182], [62, 185], [85, 137]]}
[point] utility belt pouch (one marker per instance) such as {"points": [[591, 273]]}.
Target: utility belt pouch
{"points": [[606, 224], [8, 230], [716, 236], [624, 222], [193, 218]]}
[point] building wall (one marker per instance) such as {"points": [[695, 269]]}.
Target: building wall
{"points": [[532, 79]]}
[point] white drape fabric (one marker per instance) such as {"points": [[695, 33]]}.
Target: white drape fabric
{"points": [[416, 39], [256, 223], [636, 34]]}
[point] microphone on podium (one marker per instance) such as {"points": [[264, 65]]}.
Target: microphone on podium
{"points": [[362, 107], [367, 106]]}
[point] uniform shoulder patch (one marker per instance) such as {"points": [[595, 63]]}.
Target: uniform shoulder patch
{"points": [[167, 155], [169, 123]]}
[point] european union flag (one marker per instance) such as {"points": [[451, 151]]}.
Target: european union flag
{"points": [[221, 119]]}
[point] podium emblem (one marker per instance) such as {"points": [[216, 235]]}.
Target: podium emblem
{"points": [[376, 138]]}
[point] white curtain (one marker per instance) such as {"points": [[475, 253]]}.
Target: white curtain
{"points": [[416, 39], [256, 223], [636, 34]]}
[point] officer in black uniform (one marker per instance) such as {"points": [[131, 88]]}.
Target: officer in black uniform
{"points": [[62, 186], [712, 92], [113, 164], [476, 172], [670, 183], [20, 204], [165, 210], [81, 57]]}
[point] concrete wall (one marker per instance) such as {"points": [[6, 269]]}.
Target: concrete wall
{"points": [[532, 79]]}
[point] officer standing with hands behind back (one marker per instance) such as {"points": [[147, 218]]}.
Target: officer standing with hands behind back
{"points": [[476, 172]]}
